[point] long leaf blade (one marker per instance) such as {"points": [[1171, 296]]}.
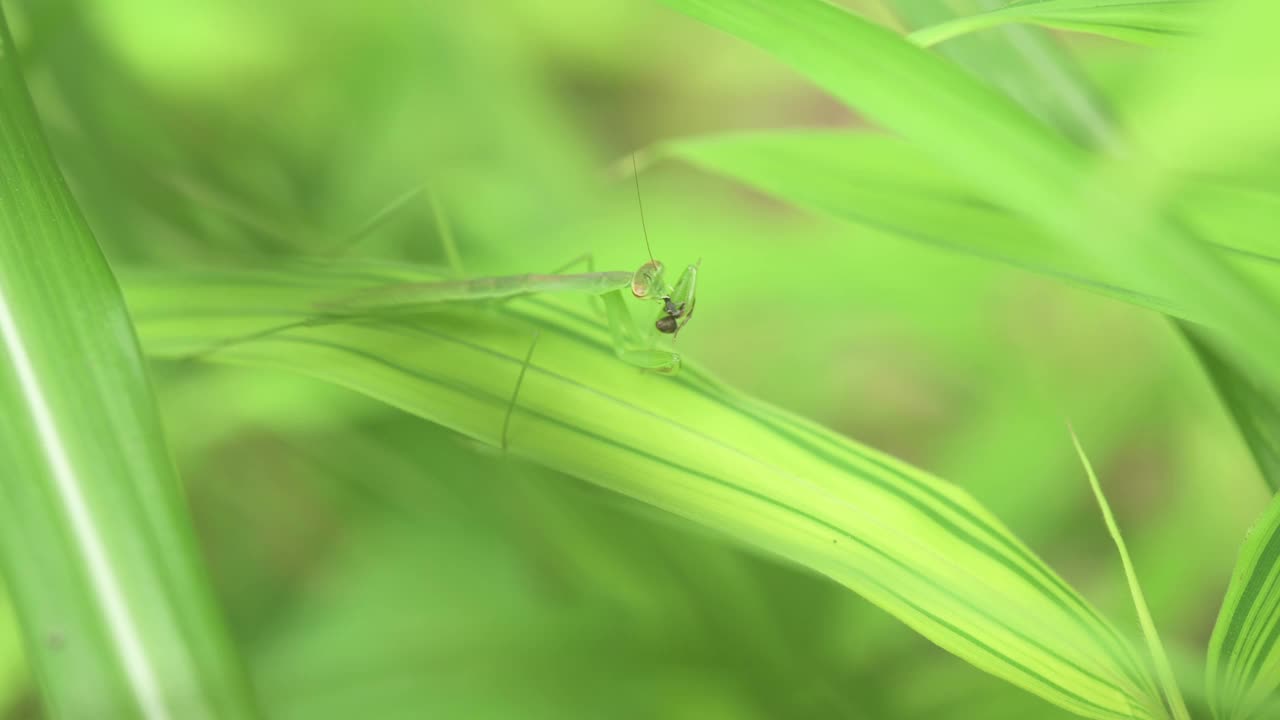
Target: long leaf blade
{"points": [[95, 545], [1243, 671], [919, 548], [1027, 64], [1149, 21], [1007, 157], [1254, 412], [1164, 671], [884, 183]]}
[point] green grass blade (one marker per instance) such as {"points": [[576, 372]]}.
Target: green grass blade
{"points": [[1148, 21], [885, 183], [1164, 670], [1253, 411], [1008, 157], [919, 548], [13, 668], [1026, 63], [1231, 215], [95, 544], [1243, 670]]}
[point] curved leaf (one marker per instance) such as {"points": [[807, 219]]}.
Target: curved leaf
{"points": [[96, 548], [1254, 412], [883, 182], [1142, 21], [1164, 671], [1027, 64], [13, 667], [918, 547], [1008, 158], [1243, 671]]}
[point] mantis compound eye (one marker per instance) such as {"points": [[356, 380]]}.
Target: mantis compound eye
{"points": [[647, 279]]}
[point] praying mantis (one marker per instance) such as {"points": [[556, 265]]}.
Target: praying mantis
{"points": [[635, 344]]}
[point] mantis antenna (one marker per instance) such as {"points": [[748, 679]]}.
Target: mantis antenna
{"points": [[635, 173]]}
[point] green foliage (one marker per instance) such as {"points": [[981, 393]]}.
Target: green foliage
{"points": [[1252, 408], [95, 543], [1244, 658], [1168, 683], [1007, 156], [754, 472], [883, 183], [1152, 21], [477, 511]]}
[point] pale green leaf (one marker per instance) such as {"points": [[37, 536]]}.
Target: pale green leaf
{"points": [[1243, 671], [881, 182], [96, 547], [13, 668], [1024, 62], [918, 547], [1008, 158], [885, 183], [1044, 79], [1254, 412], [1143, 21], [1164, 671]]}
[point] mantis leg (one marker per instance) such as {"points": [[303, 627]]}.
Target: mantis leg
{"points": [[445, 231], [588, 259], [631, 344], [375, 221], [515, 394]]}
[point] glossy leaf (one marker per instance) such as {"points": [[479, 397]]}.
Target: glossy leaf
{"points": [[96, 546]]}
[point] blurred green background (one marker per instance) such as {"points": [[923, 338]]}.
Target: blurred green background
{"points": [[373, 564]]}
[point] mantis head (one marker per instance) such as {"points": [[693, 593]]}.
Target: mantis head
{"points": [[648, 280], [678, 303]]}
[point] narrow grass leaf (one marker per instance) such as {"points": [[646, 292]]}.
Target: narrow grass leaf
{"points": [[1252, 409], [1141, 21], [1007, 156], [918, 547], [885, 183], [1027, 64], [1229, 214], [1164, 670], [13, 666], [96, 547], [1243, 671]]}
